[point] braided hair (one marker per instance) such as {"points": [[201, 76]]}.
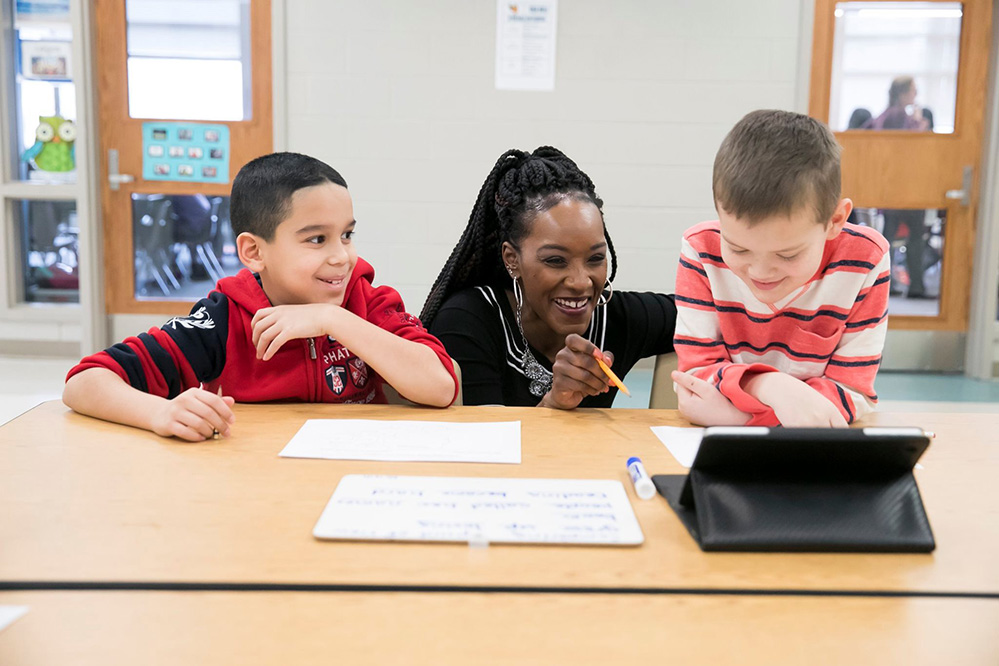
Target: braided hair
{"points": [[520, 186]]}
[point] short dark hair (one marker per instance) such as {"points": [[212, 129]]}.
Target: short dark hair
{"points": [[519, 187], [262, 190], [775, 163]]}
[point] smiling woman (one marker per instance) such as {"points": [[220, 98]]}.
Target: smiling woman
{"points": [[525, 303]]}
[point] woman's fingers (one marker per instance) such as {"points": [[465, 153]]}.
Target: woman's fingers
{"points": [[582, 368], [568, 373]]}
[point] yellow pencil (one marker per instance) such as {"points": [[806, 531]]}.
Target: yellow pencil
{"points": [[215, 432], [610, 373]]}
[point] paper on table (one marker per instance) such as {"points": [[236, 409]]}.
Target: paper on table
{"points": [[406, 441], [479, 510], [10, 613], [681, 442], [684, 442]]}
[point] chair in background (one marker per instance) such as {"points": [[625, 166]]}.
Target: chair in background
{"points": [[152, 238], [195, 226], [859, 118], [394, 398], [662, 395]]}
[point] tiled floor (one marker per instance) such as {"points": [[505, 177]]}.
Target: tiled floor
{"points": [[25, 382]]}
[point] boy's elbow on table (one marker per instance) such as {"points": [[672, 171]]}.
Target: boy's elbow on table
{"points": [[446, 388]]}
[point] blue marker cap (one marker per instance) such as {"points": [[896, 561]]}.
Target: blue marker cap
{"points": [[644, 487]]}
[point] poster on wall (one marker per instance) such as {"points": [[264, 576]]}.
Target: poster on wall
{"points": [[525, 44], [48, 61], [185, 152], [42, 10]]}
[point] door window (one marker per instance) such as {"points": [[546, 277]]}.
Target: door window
{"points": [[895, 66], [189, 59]]}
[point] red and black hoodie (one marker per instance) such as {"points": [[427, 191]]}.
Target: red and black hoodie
{"points": [[213, 346]]}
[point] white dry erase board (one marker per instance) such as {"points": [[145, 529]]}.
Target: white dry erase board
{"points": [[476, 510]]}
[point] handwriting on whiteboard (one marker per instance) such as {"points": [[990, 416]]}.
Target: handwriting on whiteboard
{"points": [[494, 510]]}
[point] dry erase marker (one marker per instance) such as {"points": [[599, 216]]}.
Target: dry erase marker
{"points": [[610, 373], [644, 487]]}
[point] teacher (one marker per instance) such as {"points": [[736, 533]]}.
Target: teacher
{"points": [[525, 304]]}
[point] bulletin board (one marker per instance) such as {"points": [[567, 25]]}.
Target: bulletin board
{"points": [[185, 152]]}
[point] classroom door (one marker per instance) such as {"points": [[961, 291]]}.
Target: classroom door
{"points": [[903, 86], [184, 99]]}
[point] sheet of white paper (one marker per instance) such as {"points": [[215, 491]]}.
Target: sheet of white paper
{"points": [[479, 510], [406, 441], [684, 442], [10, 613], [525, 44], [681, 442]]}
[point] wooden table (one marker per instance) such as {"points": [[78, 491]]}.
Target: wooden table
{"points": [[151, 628], [87, 501]]}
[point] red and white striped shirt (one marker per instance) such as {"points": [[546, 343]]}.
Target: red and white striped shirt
{"points": [[830, 334]]}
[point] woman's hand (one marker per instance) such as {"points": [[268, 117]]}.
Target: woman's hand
{"points": [[576, 374]]}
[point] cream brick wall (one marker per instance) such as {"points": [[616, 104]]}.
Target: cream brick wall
{"points": [[398, 96]]}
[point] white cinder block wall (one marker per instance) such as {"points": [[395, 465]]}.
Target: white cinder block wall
{"points": [[399, 96]]}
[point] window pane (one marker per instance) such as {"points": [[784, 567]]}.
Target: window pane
{"points": [[44, 94], [49, 250], [917, 244], [189, 60], [895, 66], [183, 245]]}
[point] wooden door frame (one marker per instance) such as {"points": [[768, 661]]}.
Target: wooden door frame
{"points": [[248, 139], [968, 130]]}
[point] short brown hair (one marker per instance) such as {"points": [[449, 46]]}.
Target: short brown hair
{"points": [[899, 86], [775, 163]]}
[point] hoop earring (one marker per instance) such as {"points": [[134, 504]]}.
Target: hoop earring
{"points": [[607, 294], [541, 378], [518, 296]]}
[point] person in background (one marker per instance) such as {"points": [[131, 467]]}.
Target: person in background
{"points": [[902, 112]]}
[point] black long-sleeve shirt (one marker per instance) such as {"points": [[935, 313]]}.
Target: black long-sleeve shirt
{"points": [[479, 331]]}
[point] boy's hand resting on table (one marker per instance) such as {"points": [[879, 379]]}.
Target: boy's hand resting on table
{"points": [[796, 404], [273, 327], [575, 374], [702, 403], [194, 415]]}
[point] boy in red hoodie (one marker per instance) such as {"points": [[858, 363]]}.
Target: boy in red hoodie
{"points": [[303, 324]]}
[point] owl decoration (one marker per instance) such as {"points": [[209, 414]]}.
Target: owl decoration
{"points": [[53, 149]]}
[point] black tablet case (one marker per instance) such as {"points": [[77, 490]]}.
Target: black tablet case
{"points": [[803, 490]]}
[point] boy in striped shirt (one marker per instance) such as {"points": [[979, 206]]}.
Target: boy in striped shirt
{"points": [[781, 304]]}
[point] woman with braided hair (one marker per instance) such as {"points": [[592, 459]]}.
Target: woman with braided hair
{"points": [[525, 303]]}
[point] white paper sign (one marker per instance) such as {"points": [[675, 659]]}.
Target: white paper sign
{"points": [[10, 613], [406, 441], [681, 442], [479, 510], [525, 44]]}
